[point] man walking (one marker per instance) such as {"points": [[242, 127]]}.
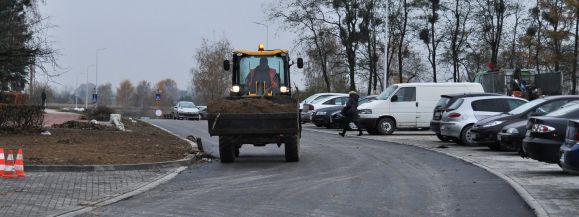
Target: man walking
{"points": [[43, 97], [350, 113]]}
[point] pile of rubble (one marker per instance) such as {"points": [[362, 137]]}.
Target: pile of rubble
{"points": [[249, 106]]}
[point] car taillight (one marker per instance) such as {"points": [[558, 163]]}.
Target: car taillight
{"points": [[540, 128], [454, 115]]}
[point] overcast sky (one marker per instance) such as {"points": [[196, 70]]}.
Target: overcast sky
{"points": [[150, 39]]}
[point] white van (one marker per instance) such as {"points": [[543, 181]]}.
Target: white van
{"points": [[408, 105]]}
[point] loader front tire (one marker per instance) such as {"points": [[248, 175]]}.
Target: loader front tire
{"points": [[292, 149], [226, 150]]}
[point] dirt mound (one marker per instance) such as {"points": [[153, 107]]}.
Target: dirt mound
{"points": [[82, 125], [249, 106]]}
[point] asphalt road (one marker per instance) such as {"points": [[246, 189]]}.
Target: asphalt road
{"points": [[336, 176]]}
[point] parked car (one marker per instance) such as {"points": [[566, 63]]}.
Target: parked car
{"points": [[407, 105], [185, 110], [323, 102], [321, 117], [464, 112], [202, 112], [305, 116], [485, 132], [443, 103], [512, 135], [336, 120], [569, 151], [545, 134]]}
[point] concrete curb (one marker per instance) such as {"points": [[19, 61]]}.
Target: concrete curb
{"points": [[537, 208], [88, 168], [121, 196]]}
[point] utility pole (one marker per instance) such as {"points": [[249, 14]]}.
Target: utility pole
{"points": [[86, 86], [97, 70], [386, 45]]}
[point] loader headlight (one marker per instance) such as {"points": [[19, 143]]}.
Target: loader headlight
{"points": [[283, 89], [235, 89]]}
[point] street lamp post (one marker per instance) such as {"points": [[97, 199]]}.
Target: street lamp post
{"points": [[266, 32], [97, 70], [86, 94], [386, 45]]}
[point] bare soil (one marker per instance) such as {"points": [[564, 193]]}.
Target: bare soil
{"points": [[249, 106], [77, 143]]}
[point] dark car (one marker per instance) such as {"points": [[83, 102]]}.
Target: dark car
{"points": [[336, 120], [442, 105], [321, 117], [546, 134], [512, 135], [485, 132], [569, 151]]}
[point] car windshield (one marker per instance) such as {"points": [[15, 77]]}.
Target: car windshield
{"points": [[456, 104], [442, 102], [261, 69], [525, 107], [187, 105], [386, 94], [319, 99], [563, 112]]}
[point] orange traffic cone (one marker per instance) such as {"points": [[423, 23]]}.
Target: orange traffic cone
{"points": [[9, 172], [19, 165], [2, 163]]}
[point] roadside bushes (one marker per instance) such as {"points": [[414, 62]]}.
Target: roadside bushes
{"points": [[101, 113], [13, 98], [21, 117]]}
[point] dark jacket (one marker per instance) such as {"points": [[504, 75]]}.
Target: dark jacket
{"points": [[351, 109]]}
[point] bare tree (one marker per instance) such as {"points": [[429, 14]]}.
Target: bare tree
{"points": [[210, 81], [143, 97], [105, 95], [125, 93]]}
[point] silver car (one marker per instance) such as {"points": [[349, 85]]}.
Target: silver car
{"points": [[459, 118]]}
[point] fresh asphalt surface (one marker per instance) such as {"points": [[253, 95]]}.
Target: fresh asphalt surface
{"points": [[336, 176]]}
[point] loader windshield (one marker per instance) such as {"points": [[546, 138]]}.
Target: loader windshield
{"points": [[261, 74]]}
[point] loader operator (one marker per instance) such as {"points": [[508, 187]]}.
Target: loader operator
{"points": [[260, 75]]}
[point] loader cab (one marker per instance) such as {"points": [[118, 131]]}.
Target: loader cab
{"points": [[260, 73]]}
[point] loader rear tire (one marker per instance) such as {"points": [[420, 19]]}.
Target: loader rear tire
{"points": [[292, 149], [226, 150]]}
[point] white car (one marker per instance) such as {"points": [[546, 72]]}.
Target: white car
{"points": [[186, 110]]}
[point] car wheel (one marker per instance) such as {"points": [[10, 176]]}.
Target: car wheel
{"points": [[442, 138], [385, 126], [466, 136], [226, 150]]}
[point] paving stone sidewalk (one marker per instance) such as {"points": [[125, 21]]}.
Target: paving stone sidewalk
{"points": [[555, 191], [54, 193]]}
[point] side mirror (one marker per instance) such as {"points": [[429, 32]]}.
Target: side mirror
{"points": [[535, 113], [394, 98], [226, 65], [300, 63]]}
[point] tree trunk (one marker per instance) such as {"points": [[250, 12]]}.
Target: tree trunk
{"points": [[574, 71], [433, 40], [401, 42]]}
